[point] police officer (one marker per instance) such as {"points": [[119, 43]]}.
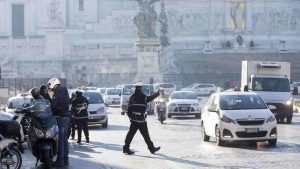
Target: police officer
{"points": [[79, 108], [72, 127], [136, 112]]}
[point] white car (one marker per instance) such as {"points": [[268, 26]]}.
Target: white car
{"points": [[295, 84], [5, 116], [183, 103], [233, 116], [168, 87], [201, 88], [112, 96], [97, 110], [17, 101]]}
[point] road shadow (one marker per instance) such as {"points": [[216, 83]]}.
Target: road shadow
{"points": [[110, 127], [177, 160], [192, 117], [263, 146], [113, 147]]}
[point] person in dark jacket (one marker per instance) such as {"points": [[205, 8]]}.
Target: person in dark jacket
{"points": [[79, 109], [136, 112], [72, 127], [44, 92], [60, 108]]}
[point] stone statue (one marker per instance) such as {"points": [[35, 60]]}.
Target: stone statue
{"points": [[55, 18], [238, 15], [146, 18]]}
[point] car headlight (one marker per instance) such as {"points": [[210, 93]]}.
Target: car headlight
{"points": [[270, 119], [227, 119], [289, 102], [39, 133], [101, 110], [196, 104], [51, 132]]}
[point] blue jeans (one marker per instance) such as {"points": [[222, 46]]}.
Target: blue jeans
{"points": [[63, 147]]}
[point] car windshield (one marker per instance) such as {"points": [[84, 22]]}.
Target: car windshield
{"points": [[93, 97], [148, 89], [183, 95], [128, 90], [192, 85], [271, 84], [166, 85], [14, 103], [113, 91], [238, 102]]}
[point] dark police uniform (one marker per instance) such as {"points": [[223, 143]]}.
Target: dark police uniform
{"points": [[79, 108], [136, 112]]}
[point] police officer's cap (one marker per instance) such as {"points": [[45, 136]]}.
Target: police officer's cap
{"points": [[139, 84]]}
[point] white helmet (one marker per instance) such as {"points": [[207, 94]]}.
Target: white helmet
{"points": [[53, 82], [139, 84]]}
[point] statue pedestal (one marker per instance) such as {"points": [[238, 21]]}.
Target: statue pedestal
{"points": [[147, 60], [55, 43]]}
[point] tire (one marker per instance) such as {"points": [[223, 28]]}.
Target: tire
{"points": [[281, 119], [169, 116], [198, 116], [289, 119], [203, 133], [104, 125], [46, 159], [272, 142], [122, 113], [220, 142], [13, 153]]}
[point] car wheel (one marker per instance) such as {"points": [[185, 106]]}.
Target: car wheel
{"points": [[104, 125], [198, 116], [203, 133], [272, 142], [169, 116], [220, 142], [289, 119]]}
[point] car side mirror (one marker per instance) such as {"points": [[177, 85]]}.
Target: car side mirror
{"points": [[213, 110], [295, 91], [271, 107]]}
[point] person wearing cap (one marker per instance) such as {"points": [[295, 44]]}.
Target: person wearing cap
{"points": [[136, 112], [79, 109], [60, 108]]}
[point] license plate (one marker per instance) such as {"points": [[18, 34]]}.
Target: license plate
{"points": [[184, 108], [251, 130]]}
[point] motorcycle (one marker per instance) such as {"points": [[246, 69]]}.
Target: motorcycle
{"points": [[42, 133], [161, 108], [9, 145], [23, 117]]}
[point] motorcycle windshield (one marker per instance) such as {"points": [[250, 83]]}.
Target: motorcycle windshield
{"points": [[42, 111]]}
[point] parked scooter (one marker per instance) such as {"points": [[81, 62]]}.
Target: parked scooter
{"points": [[23, 117], [43, 133], [161, 109], [9, 146]]}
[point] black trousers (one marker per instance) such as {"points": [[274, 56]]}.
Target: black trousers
{"points": [[73, 127], [134, 126], [82, 125]]}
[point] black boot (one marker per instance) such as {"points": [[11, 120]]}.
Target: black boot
{"points": [[128, 151], [155, 149], [87, 140]]}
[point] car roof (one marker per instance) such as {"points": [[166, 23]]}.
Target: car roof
{"points": [[232, 93]]}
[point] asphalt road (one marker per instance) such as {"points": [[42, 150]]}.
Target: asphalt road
{"points": [[181, 147]]}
